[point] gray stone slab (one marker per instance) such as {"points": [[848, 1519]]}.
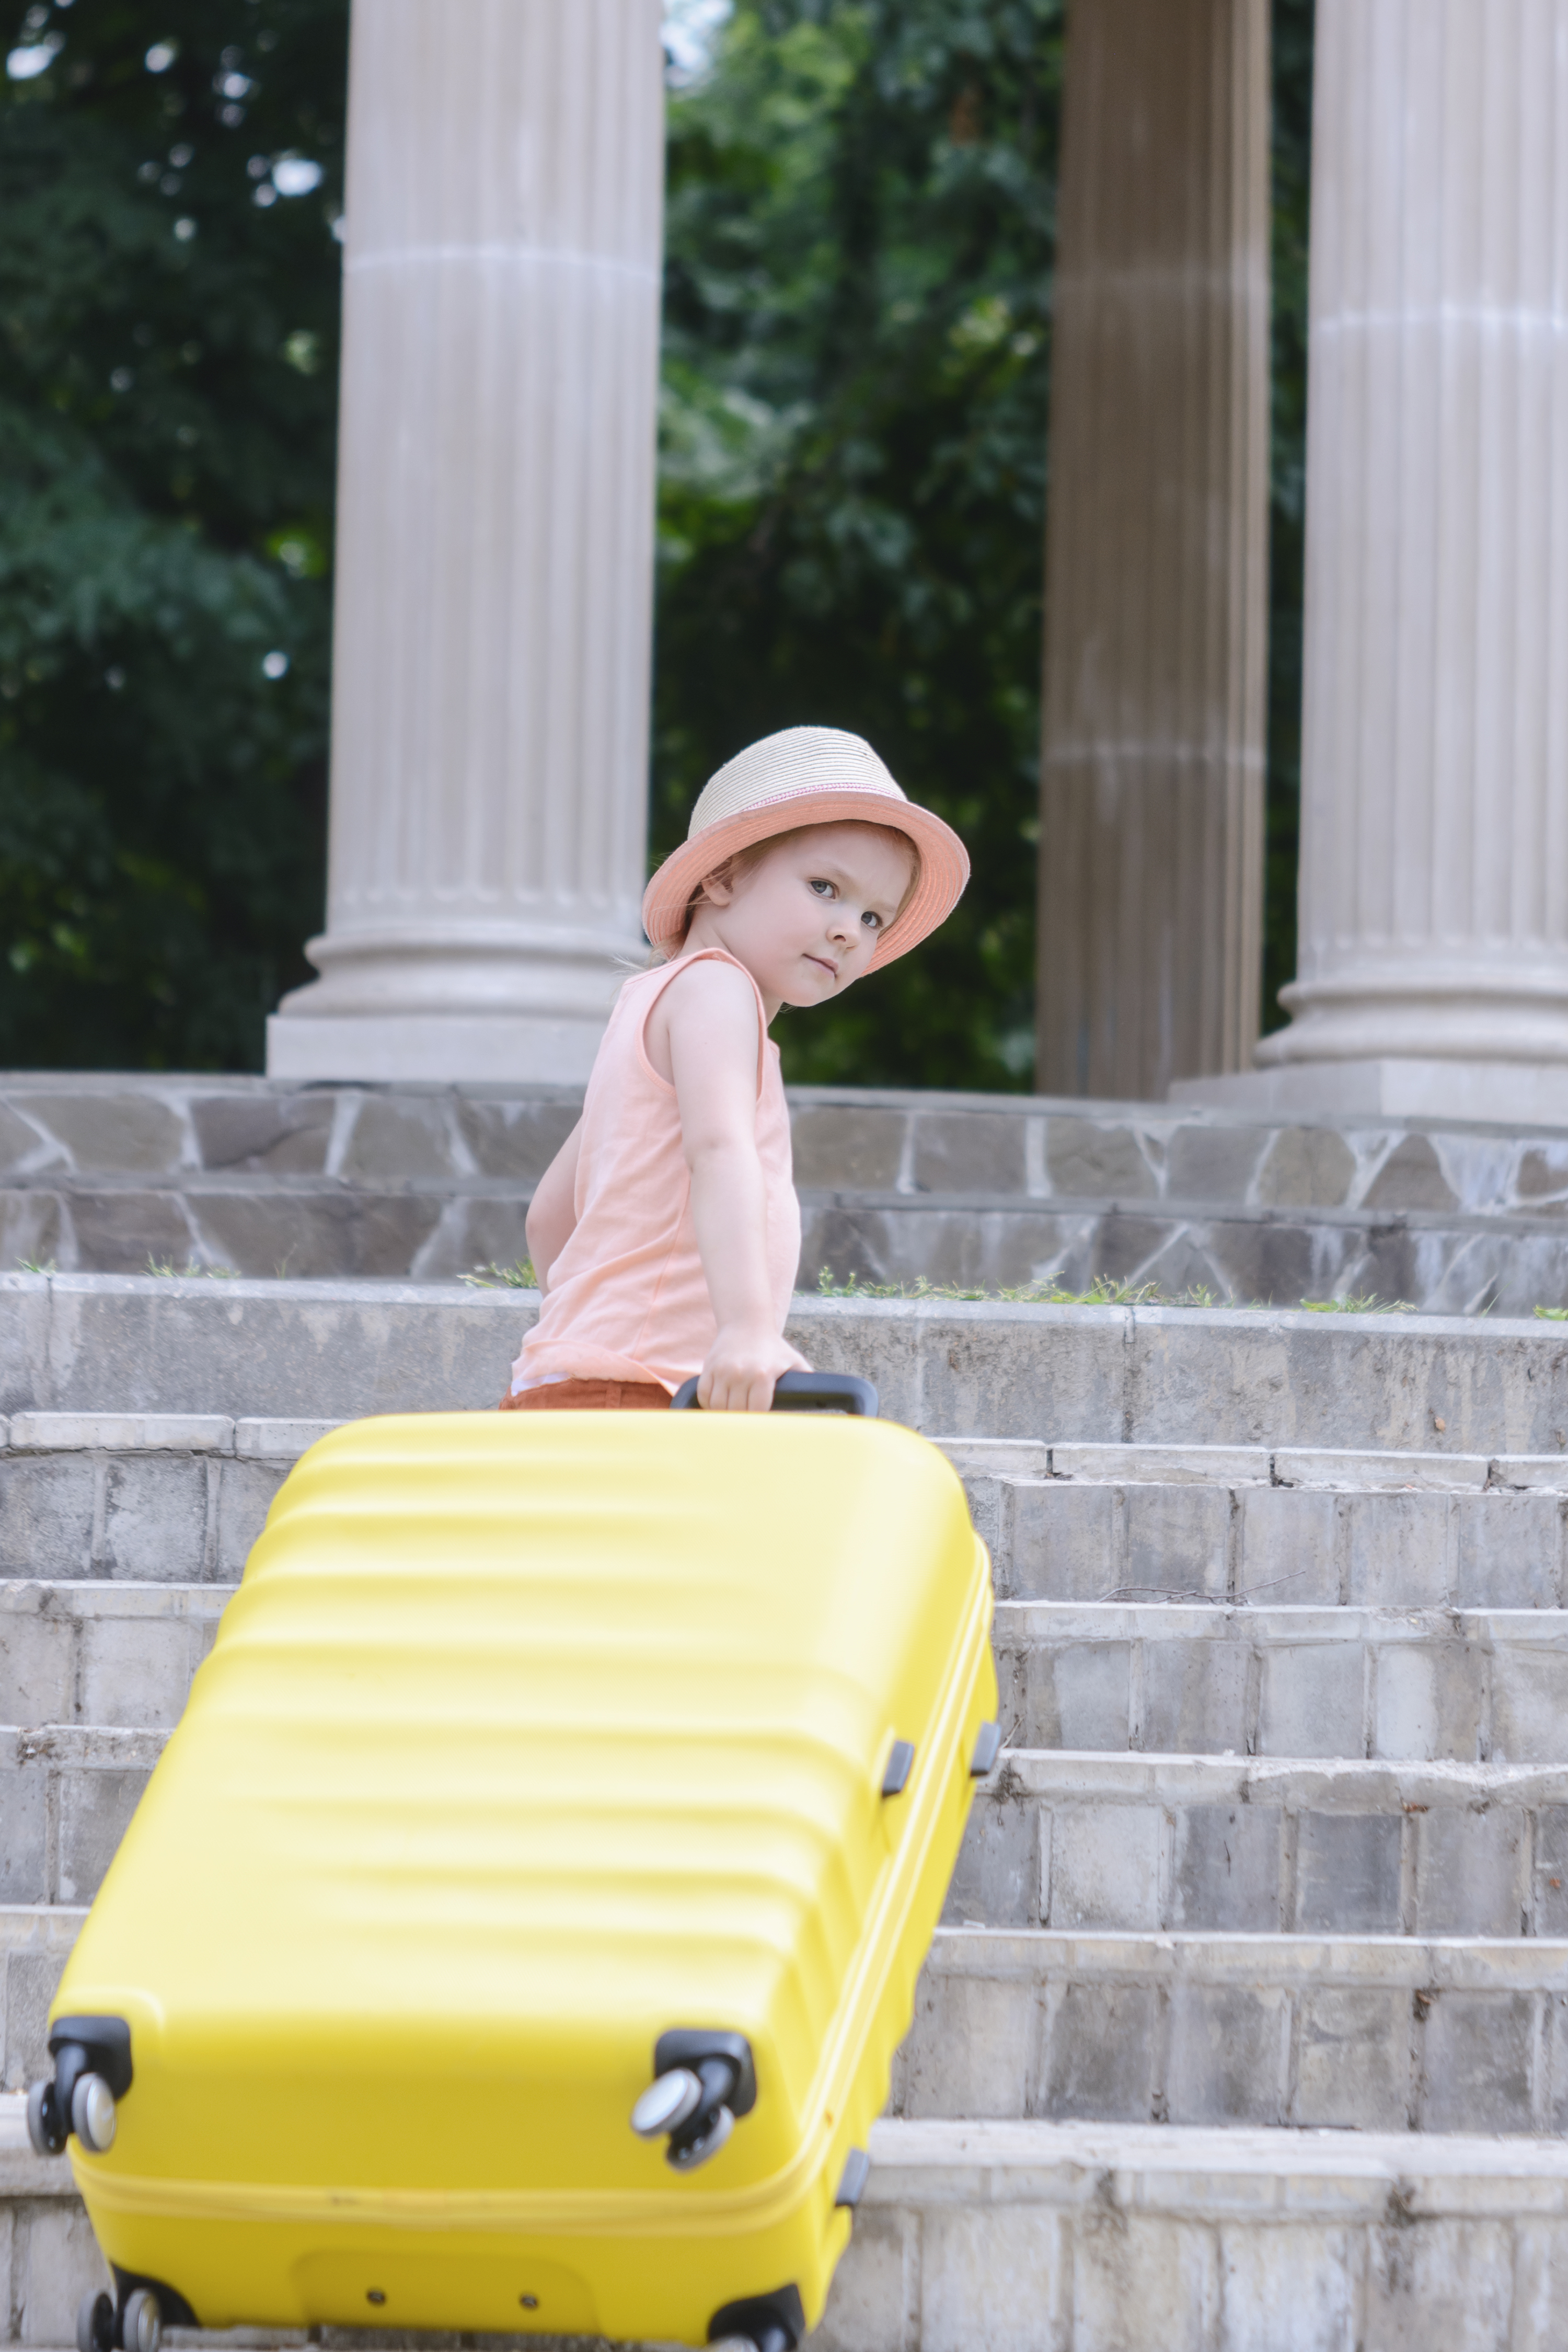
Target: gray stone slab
{"points": [[1101, 2059], [1226, 1869], [31, 1979], [1178, 1538], [245, 1498], [47, 1514], [154, 1521], [1478, 2062], [1197, 1694], [1063, 1541], [276, 1134], [1472, 1872], [1104, 1868], [519, 1139], [1090, 1159], [1397, 1550], [129, 1131], [94, 1814], [1509, 1552], [998, 1879], [1165, 1466], [1354, 2062], [1289, 1547], [1430, 1699], [1229, 2051], [24, 1832], [1348, 1875], [1312, 1701]]}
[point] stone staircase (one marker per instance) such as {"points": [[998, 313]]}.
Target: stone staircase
{"points": [[1248, 2027], [270, 1178]]}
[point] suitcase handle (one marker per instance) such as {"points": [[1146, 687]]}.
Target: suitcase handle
{"points": [[803, 1392]]}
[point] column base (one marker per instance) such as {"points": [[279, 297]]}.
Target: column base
{"points": [[1492, 1092], [506, 1048]]}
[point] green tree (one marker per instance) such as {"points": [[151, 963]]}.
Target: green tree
{"points": [[856, 348], [169, 291]]}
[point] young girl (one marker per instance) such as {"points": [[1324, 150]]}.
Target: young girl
{"points": [[665, 1232]]}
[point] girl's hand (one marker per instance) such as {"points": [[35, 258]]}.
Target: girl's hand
{"points": [[742, 1365]]}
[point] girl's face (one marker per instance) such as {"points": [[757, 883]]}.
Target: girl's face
{"points": [[805, 922]]}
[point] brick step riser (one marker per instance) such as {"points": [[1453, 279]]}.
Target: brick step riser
{"points": [[1059, 1539], [1169, 1679], [1476, 1867], [184, 1515], [1158, 1679], [1480, 1865], [1404, 1866], [1295, 2033], [1218, 2032], [1008, 2238]]}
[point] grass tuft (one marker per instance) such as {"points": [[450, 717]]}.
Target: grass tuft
{"points": [[519, 1275]]}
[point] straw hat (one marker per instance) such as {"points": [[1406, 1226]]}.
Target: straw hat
{"points": [[806, 775]]}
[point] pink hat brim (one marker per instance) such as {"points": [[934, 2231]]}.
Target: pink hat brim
{"points": [[944, 861]]}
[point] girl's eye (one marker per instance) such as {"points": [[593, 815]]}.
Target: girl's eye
{"points": [[823, 890], [875, 920]]}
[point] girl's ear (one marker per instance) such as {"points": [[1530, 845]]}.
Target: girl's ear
{"points": [[719, 887]]}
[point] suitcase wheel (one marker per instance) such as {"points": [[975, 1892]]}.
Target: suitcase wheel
{"points": [[142, 2322], [95, 2329], [701, 2081], [686, 2154], [45, 2127], [763, 2323], [92, 2114], [666, 2105]]}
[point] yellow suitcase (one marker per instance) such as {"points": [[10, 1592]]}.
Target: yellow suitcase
{"points": [[531, 1741]]}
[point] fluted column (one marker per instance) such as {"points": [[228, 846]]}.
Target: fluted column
{"points": [[1156, 552], [1433, 968], [495, 540]]}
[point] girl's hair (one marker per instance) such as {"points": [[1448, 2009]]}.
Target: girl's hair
{"points": [[743, 862]]}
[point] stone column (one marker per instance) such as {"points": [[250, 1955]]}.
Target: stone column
{"points": [[1432, 970], [495, 541], [1156, 551]]}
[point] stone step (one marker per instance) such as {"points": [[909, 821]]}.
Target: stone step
{"points": [[35, 1943], [99, 1344], [181, 1499], [1364, 2033], [1197, 1843], [1476, 1684], [66, 1795], [1088, 2237], [99, 1652], [1301, 1524], [102, 1172], [143, 1496], [1041, 2237]]}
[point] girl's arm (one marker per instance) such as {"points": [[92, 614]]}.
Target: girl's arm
{"points": [[709, 1031], [552, 1213]]}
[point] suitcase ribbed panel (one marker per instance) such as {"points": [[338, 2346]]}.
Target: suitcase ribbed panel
{"points": [[526, 1738]]}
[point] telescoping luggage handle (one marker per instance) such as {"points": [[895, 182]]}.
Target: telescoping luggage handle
{"points": [[803, 1392]]}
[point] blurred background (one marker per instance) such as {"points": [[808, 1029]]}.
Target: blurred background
{"points": [[854, 469]]}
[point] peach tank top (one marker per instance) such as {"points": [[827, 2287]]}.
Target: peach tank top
{"points": [[628, 1298]]}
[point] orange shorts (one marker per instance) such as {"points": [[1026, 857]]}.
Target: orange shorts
{"points": [[589, 1396]]}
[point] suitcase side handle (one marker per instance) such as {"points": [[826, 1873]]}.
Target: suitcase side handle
{"points": [[803, 1392]]}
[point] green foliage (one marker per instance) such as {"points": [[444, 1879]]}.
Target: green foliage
{"points": [[167, 409], [857, 320], [857, 337]]}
